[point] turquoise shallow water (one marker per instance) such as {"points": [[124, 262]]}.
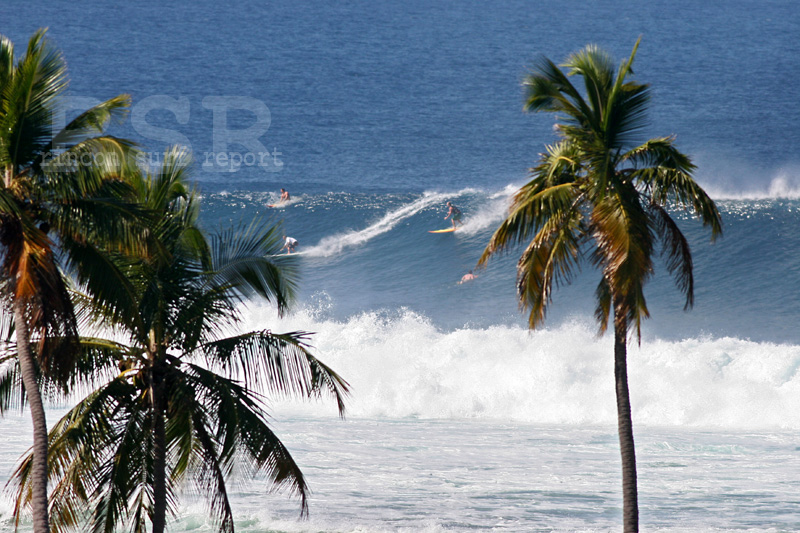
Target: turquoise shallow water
{"points": [[379, 113]]}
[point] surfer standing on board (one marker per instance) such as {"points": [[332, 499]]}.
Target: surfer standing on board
{"points": [[455, 213], [284, 198], [289, 244]]}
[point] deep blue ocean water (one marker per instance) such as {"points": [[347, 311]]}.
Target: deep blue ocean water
{"points": [[371, 105], [375, 114]]}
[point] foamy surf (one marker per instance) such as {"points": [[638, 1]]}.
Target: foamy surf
{"points": [[277, 204], [401, 365], [489, 213]]}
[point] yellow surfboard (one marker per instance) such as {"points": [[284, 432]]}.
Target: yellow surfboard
{"points": [[448, 230]]}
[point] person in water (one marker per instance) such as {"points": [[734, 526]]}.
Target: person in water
{"points": [[289, 243], [469, 276], [284, 196], [455, 213]]}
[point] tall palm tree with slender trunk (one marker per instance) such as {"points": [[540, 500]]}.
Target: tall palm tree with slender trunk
{"points": [[183, 398], [60, 193], [599, 193]]}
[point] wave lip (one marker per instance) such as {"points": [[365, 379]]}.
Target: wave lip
{"points": [[785, 184], [336, 244], [490, 213]]}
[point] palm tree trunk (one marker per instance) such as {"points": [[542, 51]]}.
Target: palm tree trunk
{"points": [[27, 366], [159, 463], [630, 497]]}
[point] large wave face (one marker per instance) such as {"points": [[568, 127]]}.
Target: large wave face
{"points": [[373, 252]]}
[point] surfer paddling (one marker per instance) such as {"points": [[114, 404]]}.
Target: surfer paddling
{"points": [[289, 243], [469, 276], [455, 213]]}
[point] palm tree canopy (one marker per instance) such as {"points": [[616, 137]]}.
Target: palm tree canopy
{"points": [[177, 356], [601, 192], [61, 193]]}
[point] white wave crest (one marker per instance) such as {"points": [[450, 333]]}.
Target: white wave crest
{"points": [[335, 244], [489, 213], [746, 184], [401, 365]]}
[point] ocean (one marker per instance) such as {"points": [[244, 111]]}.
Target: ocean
{"points": [[373, 116]]}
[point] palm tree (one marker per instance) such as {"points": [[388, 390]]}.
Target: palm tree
{"points": [[597, 190], [59, 195], [184, 398]]}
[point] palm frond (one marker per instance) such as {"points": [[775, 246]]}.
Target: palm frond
{"points": [[677, 252], [110, 292], [93, 121], [604, 301], [624, 239], [278, 363], [211, 475], [12, 392], [547, 88], [29, 98], [552, 258], [242, 429], [84, 167], [78, 444], [6, 62], [99, 360], [626, 108], [667, 184], [247, 260], [168, 185], [532, 207], [656, 154], [596, 68]]}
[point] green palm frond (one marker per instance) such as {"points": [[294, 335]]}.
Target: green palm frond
{"points": [[604, 302], [676, 251], [277, 363], [597, 70], [246, 259], [680, 187], [656, 154], [168, 185], [81, 168], [623, 235], [241, 429], [549, 89], [552, 258], [12, 393], [26, 116], [93, 121], [532, 207], [111, 295], [99, 360], [79, 443], [6, 62], [211, 475], [626, 108], [124, 482]]}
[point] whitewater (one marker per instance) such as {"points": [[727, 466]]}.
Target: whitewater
{"points": [[504, 429]]}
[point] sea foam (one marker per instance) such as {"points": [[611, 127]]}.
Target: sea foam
{"points": [[401, 365]]}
